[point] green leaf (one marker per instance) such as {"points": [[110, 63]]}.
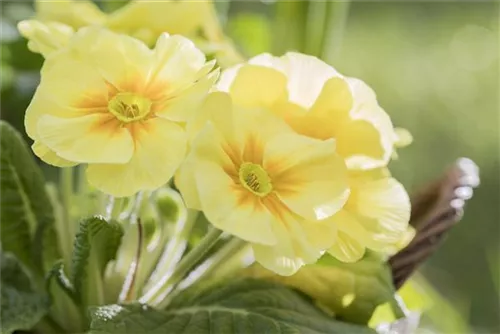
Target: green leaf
{"points": [[25, 210], [22, 307], [96, 243], [350, 291], [243, 306]]}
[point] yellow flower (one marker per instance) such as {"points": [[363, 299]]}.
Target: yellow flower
{"points": [[318, 102], [56, 21], [255, 178], [146, 20], [109, 101], [74, 13]]}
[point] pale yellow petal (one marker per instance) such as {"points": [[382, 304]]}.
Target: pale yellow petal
{"points": [[254, 127], [306, 77], [85, 88], [307, 175], [329, 112], [347, 222], [362, 145], [96, 138], [176, 62], [187, 103], [232, 208], [186, 183], [75, 13], [346, 248], [49, 156], [207, 146], [366, 141], [257, 86], [174, 17], [45, 38], [123, 61], [382, 202], [160, 147], [44, 103], [216, 108], [227, 78], [292, 250], [268, 60]]}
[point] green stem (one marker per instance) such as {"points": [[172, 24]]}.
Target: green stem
{"points": [[398, 307], [212, 264], [67, 229], [174, 249], [315, 27], [164, 286], [287, 36], [338, 11]]}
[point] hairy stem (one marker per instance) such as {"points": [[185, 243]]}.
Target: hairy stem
{"points": [[166, 284]]}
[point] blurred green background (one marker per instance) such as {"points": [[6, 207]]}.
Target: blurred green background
{"points": [[435, 69]]}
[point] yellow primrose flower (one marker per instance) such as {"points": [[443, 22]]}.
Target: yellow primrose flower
{"points": [[318, 102], [255, 178], [146, 20], [56, 21], [109, 101], [74, 13]]}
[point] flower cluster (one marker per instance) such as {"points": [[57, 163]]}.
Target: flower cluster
{"points": [[282, 152], [56, 21]]}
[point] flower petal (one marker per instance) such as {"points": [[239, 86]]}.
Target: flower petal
{"points": [[307, 175], [160, 147], [43, 103], [216, 108], [381, 202], [49, 156], [177, 62], [366, 141], [123, 61], [292, 250], [45, 38], [306, 77], [182, 107], [96, 138], [346, 249], [257, 86]]}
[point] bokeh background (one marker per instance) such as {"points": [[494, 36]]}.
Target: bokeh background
{"points": [[435, 69]]}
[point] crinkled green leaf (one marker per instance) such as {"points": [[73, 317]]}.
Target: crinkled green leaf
{"points": [[21, 306], [25, 210], [350, 291], [96, 243], [242, 306]]}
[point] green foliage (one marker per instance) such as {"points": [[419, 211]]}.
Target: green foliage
{"points": [[350, 291], [244, 306], [25, 211], [96, 243], [251, 32], [21, 307]]}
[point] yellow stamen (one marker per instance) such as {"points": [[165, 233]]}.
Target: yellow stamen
{"points": [[129, 107], [254, 178]]}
